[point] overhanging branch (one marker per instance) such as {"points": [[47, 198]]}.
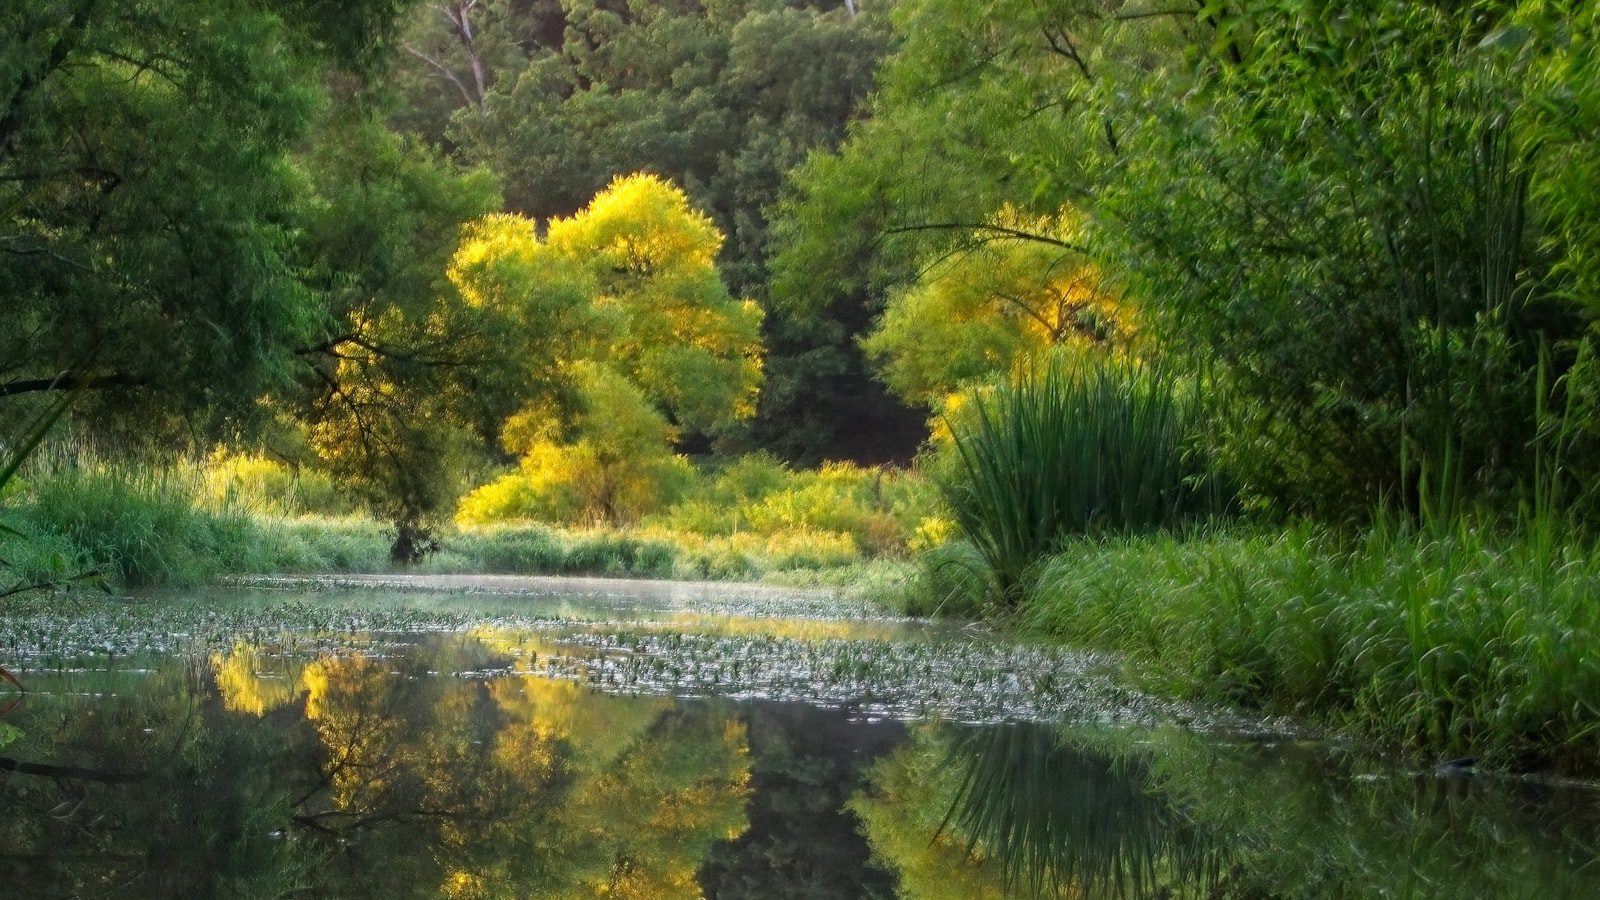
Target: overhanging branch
{"points": [[68, 382]]}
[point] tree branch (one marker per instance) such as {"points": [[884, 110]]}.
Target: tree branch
{"points": [[993, 229], [69, 772], [443, 70], [68, 382]]}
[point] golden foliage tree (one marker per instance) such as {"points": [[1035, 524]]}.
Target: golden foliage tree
{"points": [[624, 310], [995, 308]]}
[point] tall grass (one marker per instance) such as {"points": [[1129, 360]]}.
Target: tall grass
{"points": [[185, 523], [1075, 450], [133, 524], [1472, 643]]}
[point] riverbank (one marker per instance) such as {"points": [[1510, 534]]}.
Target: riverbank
{"points": [[74, 517], [171, 545], [1461, 645]]}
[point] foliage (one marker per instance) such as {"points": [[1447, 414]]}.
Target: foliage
{"points": [[1469, 643], [991, 313], [403, 377], [623, 307], [132, 526], [148, 201], [1077, 450], [720, 98], [950, 579], [627, 283], [1349, 218], [618, 467]]}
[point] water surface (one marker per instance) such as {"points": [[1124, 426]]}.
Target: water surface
{"points": [[547, 738]]}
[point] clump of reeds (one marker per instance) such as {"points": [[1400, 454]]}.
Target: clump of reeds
{"points": [[1076, 449]]}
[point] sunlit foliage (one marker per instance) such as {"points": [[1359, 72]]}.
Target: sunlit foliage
{"points": [[628, 282], [1364, 223], [618, 466], [994, 310], [722, 98], [624, 305]]}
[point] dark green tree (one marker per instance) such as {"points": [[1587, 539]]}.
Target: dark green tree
{"points": [[148, 204]]}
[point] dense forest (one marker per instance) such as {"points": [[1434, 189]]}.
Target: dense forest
{"points": [[1289, 305]]}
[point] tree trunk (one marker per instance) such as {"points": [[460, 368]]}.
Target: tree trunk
{"points": [[412, 542]]}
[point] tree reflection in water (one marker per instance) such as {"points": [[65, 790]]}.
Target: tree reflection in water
{"points": [[373, 778], [266, 773]]}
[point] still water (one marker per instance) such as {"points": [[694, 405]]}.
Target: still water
{"points": [[541, 738]]}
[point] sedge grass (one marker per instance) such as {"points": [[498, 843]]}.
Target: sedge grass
{"points": [[1465, 644], [1075, 450]]}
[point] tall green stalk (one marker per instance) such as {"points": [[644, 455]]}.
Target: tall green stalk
{"points": [[1073, 450]]}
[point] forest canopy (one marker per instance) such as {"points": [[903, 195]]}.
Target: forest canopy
{"points": [[525, 250]]}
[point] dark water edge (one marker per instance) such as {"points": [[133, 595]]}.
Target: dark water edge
{"points": [[572, 744]]}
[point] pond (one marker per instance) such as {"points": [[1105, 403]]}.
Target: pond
{"points": [[484, 737]]}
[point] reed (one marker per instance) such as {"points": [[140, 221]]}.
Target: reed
{"points": [[1076, 450]]}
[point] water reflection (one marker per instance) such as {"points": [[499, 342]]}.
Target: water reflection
{"points": [[1030, 810], [461, 764], [1024, 810], [365, 775]]}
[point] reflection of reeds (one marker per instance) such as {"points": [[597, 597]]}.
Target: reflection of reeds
{"points": [[1060, 819]]}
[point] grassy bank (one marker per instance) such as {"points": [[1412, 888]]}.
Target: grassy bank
{"points": [[1456, 639], [130, 526], [1468, 644]]}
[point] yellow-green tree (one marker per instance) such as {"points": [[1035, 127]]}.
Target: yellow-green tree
{"points": [[994, 308], [608, 459], [623, 308]]}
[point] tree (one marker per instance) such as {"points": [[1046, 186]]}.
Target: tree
{"points": [[147, 202], [1333, 213], [622, 305], [401, 376], [611, 461], [721, 98], [977, 317]]}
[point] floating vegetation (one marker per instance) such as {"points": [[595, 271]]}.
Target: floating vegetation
{"points": [[644, 643]]}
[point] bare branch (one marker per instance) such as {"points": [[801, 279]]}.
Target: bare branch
{"points": [[443, 70], [987, 227]]}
